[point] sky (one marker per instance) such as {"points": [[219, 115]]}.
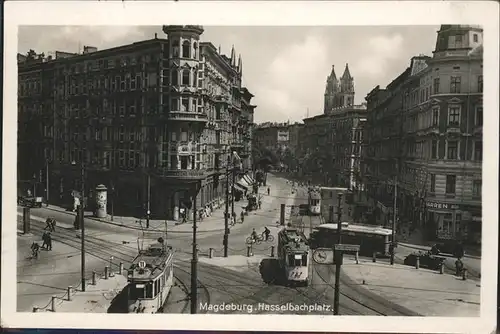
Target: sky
{"points": [[284, 67]]}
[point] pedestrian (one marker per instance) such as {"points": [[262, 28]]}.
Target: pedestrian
{"points": [[268, 191], [260, 203], [242, 216], [44, 239], [459, 266], [49, 241]]}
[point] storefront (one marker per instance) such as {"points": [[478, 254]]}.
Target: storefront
{"points": [[455, 221]]}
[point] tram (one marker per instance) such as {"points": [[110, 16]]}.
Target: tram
{"points": [[293, 255], [150, 279], [314, 202], [372, 239]]}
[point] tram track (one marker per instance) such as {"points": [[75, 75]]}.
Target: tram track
{"points": [[102, 250]]}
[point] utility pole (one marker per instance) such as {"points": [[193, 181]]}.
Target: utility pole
{"points": [[149, 202], [112, 201], [394, 219], [233, 175], [194, 261], [226, 213], [47, 180], [338, 255], [82, 224]]}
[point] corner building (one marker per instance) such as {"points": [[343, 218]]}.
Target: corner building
{"points": [[425, 132], [161, 112]]}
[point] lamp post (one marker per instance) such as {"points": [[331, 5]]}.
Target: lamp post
{"points": [[82, 222], [194, 260], [226, 213], [47, 181]]}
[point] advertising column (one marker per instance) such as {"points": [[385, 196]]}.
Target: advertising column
{"points": [[101, 201]]}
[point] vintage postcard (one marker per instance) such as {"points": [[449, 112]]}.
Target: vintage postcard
{"points": [[206, 165]]}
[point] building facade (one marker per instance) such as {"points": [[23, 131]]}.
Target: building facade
{"points": [[332, 141], [424, 131], [154, 121]]}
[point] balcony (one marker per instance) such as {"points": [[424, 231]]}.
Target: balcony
{"points": [[453, 129], [237, 144], [187, 116], [183, 174]]}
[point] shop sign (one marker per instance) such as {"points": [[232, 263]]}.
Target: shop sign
{"points": [[446, 206]]}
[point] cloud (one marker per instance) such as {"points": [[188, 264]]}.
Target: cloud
{"points": [[294, 79], [379, 53]]}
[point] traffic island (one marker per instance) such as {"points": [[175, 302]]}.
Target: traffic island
{"points": [[97, 298], [426, 292]]}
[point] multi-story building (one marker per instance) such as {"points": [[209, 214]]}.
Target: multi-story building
{"points": [[332, 140], [424, 131], [271, 135], [153, 120]]}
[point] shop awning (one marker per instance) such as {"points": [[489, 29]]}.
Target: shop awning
{"points": [[249, 180], [239, 187], [243, 183]]}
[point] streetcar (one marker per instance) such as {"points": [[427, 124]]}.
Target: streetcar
{"points": [[329, 200], [372, 239], [293, 255], [314, 202], [150, 279]]}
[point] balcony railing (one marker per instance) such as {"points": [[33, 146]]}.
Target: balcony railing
{"points": [[187, 116], [182, 173]]}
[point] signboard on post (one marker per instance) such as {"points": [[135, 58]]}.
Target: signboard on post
{"points": [[346, 247]]}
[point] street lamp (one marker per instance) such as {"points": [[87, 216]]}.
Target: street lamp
{"points": [[82, 222]]}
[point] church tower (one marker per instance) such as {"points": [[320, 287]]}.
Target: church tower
{"points": [[331, 90], [346, 94]]}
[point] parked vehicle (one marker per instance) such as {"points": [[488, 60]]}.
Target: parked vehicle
{"points": [[452, 247], [427, 260]]}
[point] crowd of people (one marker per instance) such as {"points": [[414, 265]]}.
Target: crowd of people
{"points": [[46, 238]]}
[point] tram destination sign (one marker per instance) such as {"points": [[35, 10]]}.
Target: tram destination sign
{"points": [[346, 247]]}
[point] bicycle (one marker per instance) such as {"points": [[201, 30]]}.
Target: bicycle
{"points": [[260, 238]]}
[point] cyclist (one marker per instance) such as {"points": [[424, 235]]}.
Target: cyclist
{"points": [[266, 232], [34, 249], [254, 236]]}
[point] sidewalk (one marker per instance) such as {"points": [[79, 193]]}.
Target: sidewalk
{"points": [[96, 298], [421, 290]]}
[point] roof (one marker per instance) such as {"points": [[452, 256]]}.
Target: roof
{"points": [[293, 239], [369, 229], [155, 259]]}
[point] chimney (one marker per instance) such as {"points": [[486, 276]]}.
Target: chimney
{"points": [[156, 36]]}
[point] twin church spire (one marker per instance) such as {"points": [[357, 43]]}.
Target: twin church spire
{"points": [[339, 92]]}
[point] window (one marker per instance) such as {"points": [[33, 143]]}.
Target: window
{"points": [[476, 188], [195, 51], [435, 116], [452, 150], [174, 136], [475, 38], [434, 149], [436, 86], [458, 40], [186, 46], [454, 115], [479, 116], [174, 78], [455, 84], [433, 183], [184, 136], [185, 77], [175, 48], [174, 104], [185, 104], [121, 134], [478, 150], [451, 184], [480, 84]]}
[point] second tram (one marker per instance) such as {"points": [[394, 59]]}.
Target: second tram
{"points": [[372, 239], [314, 202], [150, 279], [293, 254]]}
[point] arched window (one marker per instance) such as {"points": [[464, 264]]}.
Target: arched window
{"points": [[175, 48], [185, 77], [195, 50], [186, 46], [174, 78]]}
